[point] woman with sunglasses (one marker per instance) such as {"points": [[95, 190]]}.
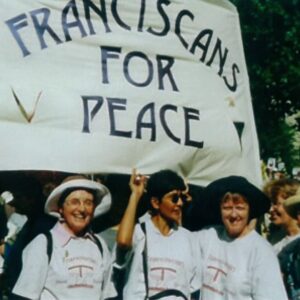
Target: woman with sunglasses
{"points": [[158, 254]]}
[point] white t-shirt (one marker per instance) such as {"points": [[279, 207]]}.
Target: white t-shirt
{"points": [[171, 263], [77, 269], [238, 269], [284, 241]]}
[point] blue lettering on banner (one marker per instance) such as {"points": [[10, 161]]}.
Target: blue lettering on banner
{"points": [[78, 24], [163, 62], [146, 119]]}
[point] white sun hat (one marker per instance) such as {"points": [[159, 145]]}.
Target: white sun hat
{"points": [[102, 194]]}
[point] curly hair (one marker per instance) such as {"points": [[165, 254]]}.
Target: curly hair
{"points": [[287, 187]]}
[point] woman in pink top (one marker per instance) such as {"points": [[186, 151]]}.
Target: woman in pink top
{"points": [[70, 262]]}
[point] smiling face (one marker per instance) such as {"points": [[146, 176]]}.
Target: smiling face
{"points": [[278, 214], [235, 215], [169, 207], [77, 211]]}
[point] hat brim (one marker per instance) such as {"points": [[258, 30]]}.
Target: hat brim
{"points": [[258, 201], [292, 205], [103, 196]]}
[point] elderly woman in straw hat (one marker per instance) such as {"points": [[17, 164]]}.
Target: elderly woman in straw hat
{"points": [[70, 262], [237, 262], [289, 257]]}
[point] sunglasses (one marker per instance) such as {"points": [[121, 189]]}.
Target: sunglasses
{"points": [[184, 198]]}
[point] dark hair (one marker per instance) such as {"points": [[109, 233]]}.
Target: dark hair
{"points": [[161, 183]]}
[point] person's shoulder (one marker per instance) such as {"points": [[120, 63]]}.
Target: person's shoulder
{"points": [[40, 239], [140, 230], [289, 255], [254, 235], [101, 240], [102, 245], [292, 247], [186, 231], [211, 229], [35, 246], [259, 244], [183, 230], [208, 233]]}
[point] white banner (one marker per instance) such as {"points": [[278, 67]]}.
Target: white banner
{"points": [[101, 86]]}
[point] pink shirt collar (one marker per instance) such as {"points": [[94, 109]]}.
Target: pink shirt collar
{"points": [[65, 236]]}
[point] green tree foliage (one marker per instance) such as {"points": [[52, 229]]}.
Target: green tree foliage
{"points": [[271, 37]]}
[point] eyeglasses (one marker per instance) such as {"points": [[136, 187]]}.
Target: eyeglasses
{"points": [[87, 203], [184, 198]]}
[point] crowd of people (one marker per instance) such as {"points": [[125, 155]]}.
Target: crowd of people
{"points": [[230, 240]]}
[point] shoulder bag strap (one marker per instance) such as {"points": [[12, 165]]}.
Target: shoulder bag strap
{"points": [[161, 294], [167, 293], [48, 236], [145, 260], [98, 243]]}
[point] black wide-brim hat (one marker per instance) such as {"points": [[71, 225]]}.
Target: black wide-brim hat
{"points": [[259, 203]]}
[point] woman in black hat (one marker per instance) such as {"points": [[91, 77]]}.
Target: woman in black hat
{"points": [[237, 262]]}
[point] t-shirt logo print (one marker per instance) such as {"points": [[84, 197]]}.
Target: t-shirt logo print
{"points": [[218, 272], [81, 271]]}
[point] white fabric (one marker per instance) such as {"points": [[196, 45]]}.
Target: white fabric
{"points": [[83, 93], [15, 224], [171, 263], [239, 269], [77, 269], [145, 217], [7, 196], [284, 241]]}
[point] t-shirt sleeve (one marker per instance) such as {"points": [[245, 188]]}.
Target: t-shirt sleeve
{"points": [[120, 264], [267, 279], [123, 257], [33, 275]]}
